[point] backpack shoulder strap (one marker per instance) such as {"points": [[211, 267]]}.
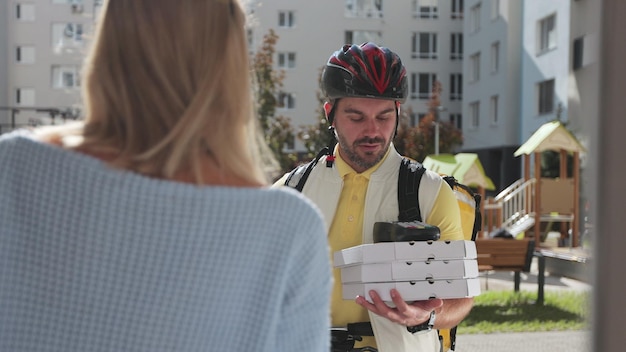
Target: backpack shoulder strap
{"points": [[298, 176], [409, 179]]}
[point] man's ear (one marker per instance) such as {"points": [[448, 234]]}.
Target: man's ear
{"points": [[327, 108]]}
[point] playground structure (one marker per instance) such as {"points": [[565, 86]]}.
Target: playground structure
{"points": [[534, 203]]}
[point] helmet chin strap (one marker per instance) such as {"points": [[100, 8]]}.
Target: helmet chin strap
{"points": [[330, 157]]}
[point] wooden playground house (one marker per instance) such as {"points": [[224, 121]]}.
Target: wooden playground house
{"points": [[534, 203]]}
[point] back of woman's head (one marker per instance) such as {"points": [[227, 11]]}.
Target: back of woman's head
{"points": [[167, 82]]}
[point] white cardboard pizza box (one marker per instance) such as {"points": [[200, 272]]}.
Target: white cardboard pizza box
{"points": [[384, 252], [415, 290], [410, 270]]}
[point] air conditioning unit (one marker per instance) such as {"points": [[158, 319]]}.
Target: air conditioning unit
{"points": [[77, 8]]}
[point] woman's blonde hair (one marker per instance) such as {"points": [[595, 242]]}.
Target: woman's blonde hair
{"points": [[167, 83]]}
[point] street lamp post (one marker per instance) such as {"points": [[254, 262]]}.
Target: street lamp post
{"points": [[438, 110]]}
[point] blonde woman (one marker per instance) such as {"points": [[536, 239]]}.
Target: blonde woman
{"points": [[150, 226]]}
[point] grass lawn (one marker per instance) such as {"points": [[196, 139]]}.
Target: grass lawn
{"points": [[509, 311]]}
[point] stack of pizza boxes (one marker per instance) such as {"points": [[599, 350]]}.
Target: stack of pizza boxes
{"points": [[419, 270]]}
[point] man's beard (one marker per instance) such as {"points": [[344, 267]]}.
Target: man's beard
{"points": [[349, 151]]}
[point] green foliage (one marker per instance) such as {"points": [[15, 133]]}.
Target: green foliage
{"points": [[509, 311], [418, 142], [277, 130], [316, 136]]}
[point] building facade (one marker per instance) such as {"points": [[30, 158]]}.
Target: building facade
{"points": [[427, 34], [42, 48], [505, 66]]}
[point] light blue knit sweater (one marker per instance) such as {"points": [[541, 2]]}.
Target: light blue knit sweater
{"points": [[94, 259]]}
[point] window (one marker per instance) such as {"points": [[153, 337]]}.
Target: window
{"points": [[577, 52], [456, 121], [425, 9], [25, 12], [495, 57], [545, 92], [475, 113], [495, 9], [457, 10], [25, 97], [424, 45], [286, 19], [364, 8], [286, 101], [25, 54], [547, 34], [67, 34], [286, 60], [456, 86], [422, 85], [475, 67], [475, 18], [493, 110], [363, 36], [456, 46], [65, 77], [97, 7]]}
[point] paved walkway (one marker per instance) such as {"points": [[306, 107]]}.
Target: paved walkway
{"points": [[550, 341]]}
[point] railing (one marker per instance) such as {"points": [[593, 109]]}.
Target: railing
{"points": [[510, 206]]}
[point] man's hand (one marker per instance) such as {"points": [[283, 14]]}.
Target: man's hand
{"points": [[408, 314]]}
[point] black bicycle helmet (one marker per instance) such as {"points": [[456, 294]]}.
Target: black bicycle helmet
{"points": [[365, 71]]}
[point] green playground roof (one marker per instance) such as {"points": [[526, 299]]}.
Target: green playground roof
{"points": [[550, 136], [465, 167]]}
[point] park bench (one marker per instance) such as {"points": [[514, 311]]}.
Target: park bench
{"points": [[502, 254]]}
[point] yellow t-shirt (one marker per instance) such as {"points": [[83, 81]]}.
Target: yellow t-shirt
{"points": [[346, 231]]}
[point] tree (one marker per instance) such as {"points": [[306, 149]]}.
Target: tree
{"points": [[277, 130], [418, 142], [316, 136]]}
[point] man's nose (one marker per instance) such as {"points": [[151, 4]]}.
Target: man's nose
{"points": [[371, 127]]}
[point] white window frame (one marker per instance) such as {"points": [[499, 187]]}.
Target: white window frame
{"points": [[285, 101], [457, 10], [286, 19], [65, 77], [422, 85], [363, 36], [495, 9], [456, 86], [475, 18], [286, 60], [493, 110], [474, 68], [25, 96], [475, 114], [25, 54], [364, 8], [456, 46], [545, 97], [495, 57], [424, 45], [425, 9], [67, 35], [25, 12], [546, 40]]}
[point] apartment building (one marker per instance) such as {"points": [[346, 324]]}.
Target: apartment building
{"points": [[528, 62], [42, 45], [505, 66], [493, 35], [427, 34]]}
